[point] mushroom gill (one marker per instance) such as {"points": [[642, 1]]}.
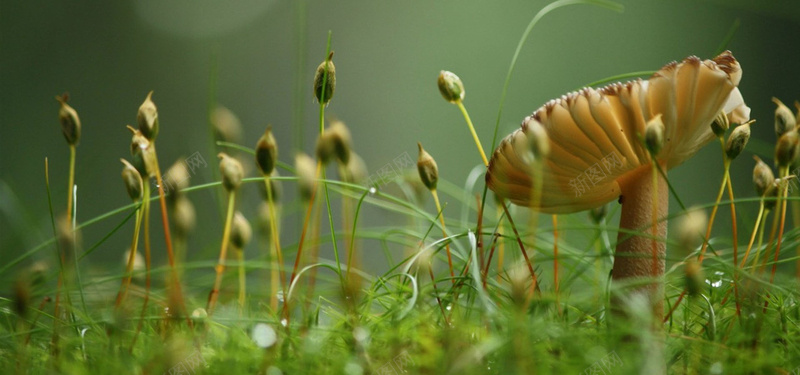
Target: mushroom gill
{"points": [[594, 133]]}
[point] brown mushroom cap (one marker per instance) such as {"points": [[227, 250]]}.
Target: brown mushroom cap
{"points": [[594, 134]]}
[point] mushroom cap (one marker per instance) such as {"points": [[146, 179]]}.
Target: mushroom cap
{"points": [[595, 134]]}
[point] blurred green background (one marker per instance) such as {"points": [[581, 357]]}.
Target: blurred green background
{"points": [[108, 55]]}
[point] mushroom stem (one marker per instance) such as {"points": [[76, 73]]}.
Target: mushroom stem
{"points": [[634, 255]]}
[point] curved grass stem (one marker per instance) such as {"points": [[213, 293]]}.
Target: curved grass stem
{"points": [[300, 244], [320, 171], [333, 231], [351, 249]]}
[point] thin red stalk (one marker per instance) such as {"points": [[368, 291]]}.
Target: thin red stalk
{"points": [[55, 314], [314, 256], [168, 239], [735, 248], [478, 245], [711, 221], [778, 244], [146, 214], [534, 284], [302, 240], [45, 300], [674, 306], [772, 233], [479, 238], [444, 234], [485, 275], [705, 239], [500, 246], [436, 293]]}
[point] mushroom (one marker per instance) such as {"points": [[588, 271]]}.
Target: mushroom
{"points": [[597, 153]]}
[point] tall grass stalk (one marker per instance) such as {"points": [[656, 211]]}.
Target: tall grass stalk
{"points": [[320, 172], [734, 228], [223, 253], [782, 201], [126, 281], [501, 248], [146, 215], [60, 261], [176, 282], [277, 273], [300, 247], [711, 218], [440, 213]]}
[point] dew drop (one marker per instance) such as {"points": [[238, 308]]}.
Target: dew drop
{"points": [[352, 368], [279, 295], [361, 335], [263, 335]]}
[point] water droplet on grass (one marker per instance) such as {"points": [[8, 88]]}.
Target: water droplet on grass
{"points": [[353, 369], [263, 335], [361, 335]]}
